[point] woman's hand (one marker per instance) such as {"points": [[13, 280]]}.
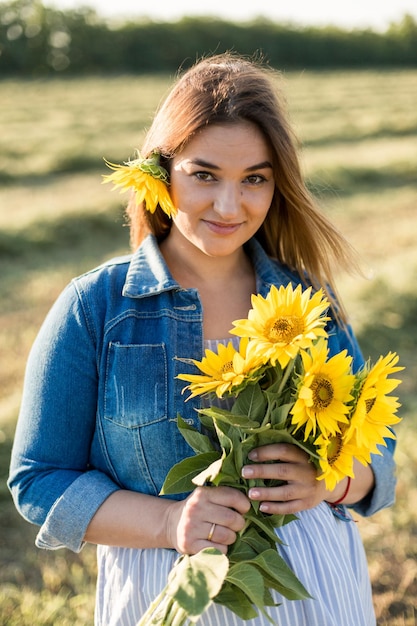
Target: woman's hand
{"points": [[301, 490], [209, 517]]}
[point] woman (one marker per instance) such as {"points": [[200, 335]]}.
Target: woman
{"points": [[97, 432]]}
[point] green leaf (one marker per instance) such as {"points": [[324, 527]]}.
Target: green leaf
{"points": [[197, 441], [251, 402], [280, 576], [229, 474], [209, 474], [279, 415], [249, 443], [259, 429], [230, 441], [280, 520], [235, 600], [220, 472], [258, 543], [206, 421], [264, 523], [196, 579], [242, 550], [225, 434], [268, 599], [276, 436], [247, 578], [240, 420], [180, 477]]}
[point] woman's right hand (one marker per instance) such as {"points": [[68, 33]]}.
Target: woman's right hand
{"points": [[208, 517]]}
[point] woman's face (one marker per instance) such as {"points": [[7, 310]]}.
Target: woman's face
{"points": [[222, 184]]}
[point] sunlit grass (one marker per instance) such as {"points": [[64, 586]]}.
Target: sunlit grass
{"points": [[53, 125], [50, 197], [353, 106]]}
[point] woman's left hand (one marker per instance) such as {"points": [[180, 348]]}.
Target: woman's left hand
{"points": [[288, 463]]}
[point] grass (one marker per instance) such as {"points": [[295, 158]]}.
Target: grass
{"points": [[358, 133]]}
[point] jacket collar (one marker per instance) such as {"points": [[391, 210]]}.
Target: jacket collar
{"points": [[148, 273]]}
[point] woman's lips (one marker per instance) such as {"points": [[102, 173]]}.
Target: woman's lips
{"points": [[222, 228]]}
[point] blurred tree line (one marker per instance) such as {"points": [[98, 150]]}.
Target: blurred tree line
{"points": [[37, 40]]}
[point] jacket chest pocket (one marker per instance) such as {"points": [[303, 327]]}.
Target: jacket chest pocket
{"points": [[135, 391]]}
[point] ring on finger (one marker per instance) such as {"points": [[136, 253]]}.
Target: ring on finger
{"points": [[211, 532]]}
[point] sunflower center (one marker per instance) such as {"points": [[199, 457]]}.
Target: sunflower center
{"points": [[369, 404], [334, 449], [322, 392], [227, 367], [284, 329]]}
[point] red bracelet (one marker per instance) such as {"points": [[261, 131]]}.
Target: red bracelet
{"points": [[340, 500]]}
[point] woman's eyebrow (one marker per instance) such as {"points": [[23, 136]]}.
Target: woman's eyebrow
{"points": [[211, 166], [259, 166], [203, 163]]}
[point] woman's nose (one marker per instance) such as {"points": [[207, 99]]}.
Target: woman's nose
{"points": [[228, 200]]}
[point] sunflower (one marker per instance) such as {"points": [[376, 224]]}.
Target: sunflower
{"points": [[222, 372], [375, 409], [147, 178], [283, 323], [324, 392], [336, 458]]}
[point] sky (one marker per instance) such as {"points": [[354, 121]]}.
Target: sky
{"points": [[375, 14]]}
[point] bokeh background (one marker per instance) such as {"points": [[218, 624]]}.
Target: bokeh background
{"points": [[79, 84]]}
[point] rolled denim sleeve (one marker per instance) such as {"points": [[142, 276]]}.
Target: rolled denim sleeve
{"points": [[54, 479], [68, 519]]}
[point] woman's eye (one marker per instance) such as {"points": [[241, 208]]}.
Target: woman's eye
{"points": [[204, 176], [255, 179]]}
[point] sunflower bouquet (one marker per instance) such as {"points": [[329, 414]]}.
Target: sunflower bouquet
{"points": [[284, 388]]}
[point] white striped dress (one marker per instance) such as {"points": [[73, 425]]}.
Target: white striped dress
{"points": [[326, 554]]}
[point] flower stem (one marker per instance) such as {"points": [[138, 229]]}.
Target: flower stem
{"points": [[288, 370]]}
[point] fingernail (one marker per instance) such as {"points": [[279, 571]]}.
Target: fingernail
{"points": [[253, 455], [254, 494], [247, 472], [264, 508]]}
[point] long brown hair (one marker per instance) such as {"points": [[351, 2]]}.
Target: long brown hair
{"points": [[225, 89]]}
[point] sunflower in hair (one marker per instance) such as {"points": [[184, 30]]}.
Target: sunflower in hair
{"points": [[147, 178]]}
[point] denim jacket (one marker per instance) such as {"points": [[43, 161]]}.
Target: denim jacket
{"points": [[101, 396]]}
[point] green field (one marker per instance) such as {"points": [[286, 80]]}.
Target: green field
{"points": [[358, 134]]}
